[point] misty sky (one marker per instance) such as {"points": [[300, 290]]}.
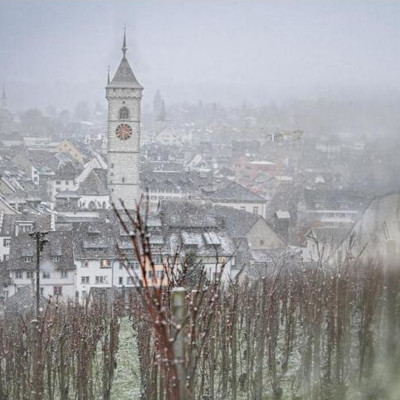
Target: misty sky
{"points": [[57, 52]]}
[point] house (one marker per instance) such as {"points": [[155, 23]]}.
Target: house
{"points": [[97, 162], [57, 268], [13, 225], [39, 165], [95, 256], [67, 200], [5, 236], [191, 229], [105, 258], [66, 146], [281, 222], [237, 196], [64, 180], [93, 191], [164, 185], [6, 208], [12, 139], [331, 207], [253, 237], [254, 228], [167, 137], [246, 170]]}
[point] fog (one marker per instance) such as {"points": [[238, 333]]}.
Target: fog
{"points": [[57, 53], [216, 218]]}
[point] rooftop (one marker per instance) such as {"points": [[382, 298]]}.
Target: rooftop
{"points": [[234, 192]]}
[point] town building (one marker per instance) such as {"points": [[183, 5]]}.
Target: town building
{"points": [[237, 196]]}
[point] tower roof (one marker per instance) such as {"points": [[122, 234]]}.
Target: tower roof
{"points": [[124, 77]]}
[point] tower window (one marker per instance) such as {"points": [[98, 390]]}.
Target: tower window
{"points": [[123, 113]]}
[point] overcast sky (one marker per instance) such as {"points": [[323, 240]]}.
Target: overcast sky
{"points": [[57, 52]]}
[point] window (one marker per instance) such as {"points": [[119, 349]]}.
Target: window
{"points": [[6, 242], [5, 257], [29, 274], [160, 274], [41, 291], [86, 264], [123, 113], [57, 290], [56, 258], [64, 274], [100, 279], [85, 280], [25, 228], [121, 280], [150, 274], [28, 258], [242, 208], [105, 264], [157, 258], [58, 182], [123, 179], [132, 264], [129, 280], [46, 275], [18, 274], [255, 210], [261, 242]]}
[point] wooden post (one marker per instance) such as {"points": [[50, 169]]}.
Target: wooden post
{"points": [[179, 315], [391, 284], [37, 386]]}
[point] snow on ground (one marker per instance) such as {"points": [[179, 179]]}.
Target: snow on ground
{"points": [[126, 385]]}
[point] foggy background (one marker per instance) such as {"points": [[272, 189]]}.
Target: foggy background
{"points": [[57, 53]]}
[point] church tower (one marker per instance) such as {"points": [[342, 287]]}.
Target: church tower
{"points": [[124, 94]]}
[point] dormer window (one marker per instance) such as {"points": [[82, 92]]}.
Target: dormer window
{"points": [[28, 259], [23, 228], [124, 113]]}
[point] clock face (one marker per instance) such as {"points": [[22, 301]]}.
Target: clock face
{"points": [[123, 131]]}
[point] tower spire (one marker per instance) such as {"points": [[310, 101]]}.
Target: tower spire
{"points": [[108, 75], [124, 48]]}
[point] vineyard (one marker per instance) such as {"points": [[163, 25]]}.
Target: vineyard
{"points": [[295, 334]]}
